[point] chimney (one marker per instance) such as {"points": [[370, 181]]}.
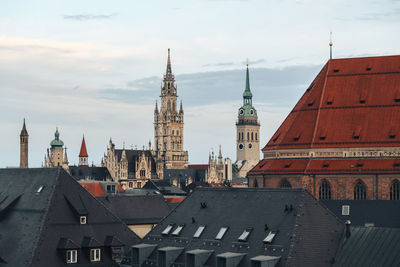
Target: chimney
{"points": [[348, 232]]}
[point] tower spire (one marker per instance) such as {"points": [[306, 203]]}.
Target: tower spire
{"points": [[83, 155], [23, 138], [330, 46], [169, 70]]}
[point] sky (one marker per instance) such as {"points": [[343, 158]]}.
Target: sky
{"points": [[95, 67]]}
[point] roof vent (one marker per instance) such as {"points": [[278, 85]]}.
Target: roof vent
{"points": [[360, 165], [336, 70], [203, 205], [287, 165], [396, 165], [368, 69], [325, 165], [276, 138]]}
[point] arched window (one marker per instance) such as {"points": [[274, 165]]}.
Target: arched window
{"points": [[169, 86], [256, 136], [173, 132], [248, 136], [325, 190], [285, 184], [255, 182], [394, 191], [360, 192], [252, 137], [242, 136]]}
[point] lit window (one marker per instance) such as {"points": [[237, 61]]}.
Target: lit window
{"points": [[199, 231], [83, 220], [346, 210], [178, 230], [270, 237], [95, 254], [167, 230], [245, 235], [72, 256], [221, 233]]}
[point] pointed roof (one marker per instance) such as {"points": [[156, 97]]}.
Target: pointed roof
{"points": [[353, 102], [247, 92], [56, 143], [169, 69], [83, 152], [24, 132]]}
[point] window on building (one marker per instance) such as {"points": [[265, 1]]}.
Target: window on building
{"points": [[130, 184], [245, 234], [95, 254], [256, 136], [83, 220], [395, 191], [178, 230], [142, 173], [270, 237], [360, 192], [248, 136], [252, 136], [116, 253], [324, 190], [221, 233], [72, 256], [167, 229], [346, 210], [139, 184], [199, 231], [285, 184]]}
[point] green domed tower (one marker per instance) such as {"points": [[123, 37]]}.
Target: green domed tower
{"points": [[247, 132], [56, 148]]}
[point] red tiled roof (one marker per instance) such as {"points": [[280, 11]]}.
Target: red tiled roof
{"points": [[94, 188], [83, 152], [331, 166], [352, 102], [198, 166]]}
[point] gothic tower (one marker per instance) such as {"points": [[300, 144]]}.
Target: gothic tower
{"points": [[247, 132], [23, 138], [168, 127], [83, 155]]}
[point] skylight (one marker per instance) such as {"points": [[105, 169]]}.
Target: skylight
{"points": [[221, 233], [270, 237], [40, 189], [199, 231], [178, 230], [245, 234], [167, 229]]}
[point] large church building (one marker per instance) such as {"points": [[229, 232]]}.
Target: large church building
{"points": [[342, 138]]}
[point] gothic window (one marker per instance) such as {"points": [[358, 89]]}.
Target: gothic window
{"points": [[325, 190], [252, 137], [285, 184], [248, 136], [395, 191], [360, 191], [142, 173], [169, 86]]}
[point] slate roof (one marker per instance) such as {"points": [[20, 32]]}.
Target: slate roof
{"points": [[369, 246], [380, 213], [352, 96], [137, 209], [39, 217], [132, 156], [307, 232], [89, 173], [197, 174], [164, 187], [327, 166]]}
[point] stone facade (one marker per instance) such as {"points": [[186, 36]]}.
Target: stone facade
{"points": [[219, 170], [23, 138], [56, 155]]}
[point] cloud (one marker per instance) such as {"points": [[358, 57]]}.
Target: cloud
{"points": [[221, 64], [254, 62], [82, 17]]}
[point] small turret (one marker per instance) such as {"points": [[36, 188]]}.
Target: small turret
{"points": [[156, 109], [83, 155], [181, 109], [23, 138]]}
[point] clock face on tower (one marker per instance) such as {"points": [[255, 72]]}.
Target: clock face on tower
{"points": [[240, 146]]}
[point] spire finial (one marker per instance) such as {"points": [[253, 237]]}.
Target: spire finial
{"points": [[247, 62], [330, 45]]}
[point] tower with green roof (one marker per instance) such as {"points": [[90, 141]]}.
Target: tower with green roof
{"points": [[247, 132], [56, 156]]}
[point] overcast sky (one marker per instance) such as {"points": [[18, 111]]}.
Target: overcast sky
{"points": [[95, 67]]}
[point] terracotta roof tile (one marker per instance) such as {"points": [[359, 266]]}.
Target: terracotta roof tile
{"points": [[83, 152]]}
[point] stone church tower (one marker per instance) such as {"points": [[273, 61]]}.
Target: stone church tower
{"points": [[23, 138], [247, 133], [168, 127]]}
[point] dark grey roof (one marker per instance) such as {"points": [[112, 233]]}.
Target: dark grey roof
{"points": [[137, 209], [40, 211], [369, 246], [89, 173], [132, 155], [307, 232], [380, 213], [165, 187], [184, 174]]}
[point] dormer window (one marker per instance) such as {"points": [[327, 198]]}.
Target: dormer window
{"points": [[83, 220], [178, 230], [95, 254], [221, 233], [270, 237], [167, 229], [72, 256]]}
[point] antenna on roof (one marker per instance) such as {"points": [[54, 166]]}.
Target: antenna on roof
{"points": [[330, 46]]}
